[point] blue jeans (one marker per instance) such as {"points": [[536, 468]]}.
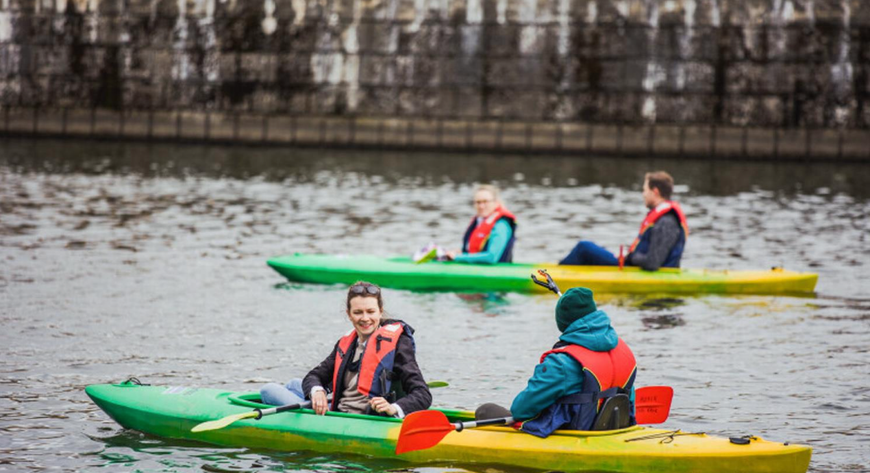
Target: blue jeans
{"points": [[588, 253], [276, 395]]}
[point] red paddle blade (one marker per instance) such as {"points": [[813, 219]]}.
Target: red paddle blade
{"points": [[652, 404], [422, 430]]}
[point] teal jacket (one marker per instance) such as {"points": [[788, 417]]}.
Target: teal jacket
{"points": [[498, 241], [559, 374]]}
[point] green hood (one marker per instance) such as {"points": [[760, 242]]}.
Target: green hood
{"points": [[592, 331]]}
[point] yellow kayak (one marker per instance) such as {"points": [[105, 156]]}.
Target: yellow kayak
{"points": [[173, 411], [402, 273]]}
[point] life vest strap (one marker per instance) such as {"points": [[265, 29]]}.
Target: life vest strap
{"points": [[586, 398]]}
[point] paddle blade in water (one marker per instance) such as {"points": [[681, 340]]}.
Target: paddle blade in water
{"points": [[437, 384], [422, 430], [653, 404], [221, 423]]}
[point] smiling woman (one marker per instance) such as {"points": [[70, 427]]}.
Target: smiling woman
{"points": [[364, 364]]}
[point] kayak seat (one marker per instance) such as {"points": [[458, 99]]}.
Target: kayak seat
{"points": [[614, 414]]}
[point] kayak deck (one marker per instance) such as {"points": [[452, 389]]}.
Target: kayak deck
{"points": [[171, 412], [402, 273]]}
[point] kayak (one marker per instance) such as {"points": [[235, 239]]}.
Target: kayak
{"points": [[402, 273], [172, 412]]}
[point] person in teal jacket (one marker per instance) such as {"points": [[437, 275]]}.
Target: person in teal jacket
{"points": [[560, 393]]}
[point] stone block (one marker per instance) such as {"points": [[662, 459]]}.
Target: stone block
{"points": [[221, 126], [575, 136], [697, 140], [192, 125], [367, 131], [824, 144], [759, 142], [50, 121], [514, 136], [667, 140], [135, 124], [165, 125], [279, 129], [605, 139], [309, 130], [455, 134], [337, 131], [425, 133], [545, 136], [19, 120], [78, 122], [792, 143], [635, 140], [107, 123], [395, 133], [729, 141], [856, 145], [484, 135], [251, 128]]}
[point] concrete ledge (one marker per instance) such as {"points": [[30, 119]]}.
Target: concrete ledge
{"points": [[575, 137], [50, 121], [455, 134], [792, 144], [164, 125], [78, 122], [605, 139], [635, 139], [514, 136], [483, 135], [728, 141], [107, 123], [668, 140], [546, 136], [697, 141]]}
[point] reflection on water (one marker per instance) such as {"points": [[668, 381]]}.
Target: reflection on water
{"points": [[149, 260]]}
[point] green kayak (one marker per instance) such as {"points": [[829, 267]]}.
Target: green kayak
{"points": [[402, 273], [172, 412]]}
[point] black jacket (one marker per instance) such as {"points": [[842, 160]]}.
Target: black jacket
{"points": [[407, 379]]}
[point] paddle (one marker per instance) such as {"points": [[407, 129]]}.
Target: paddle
{"points": [[255, 414], [549, 283], [259, 413], [425, 429]]}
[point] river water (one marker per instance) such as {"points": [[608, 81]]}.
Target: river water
{"points": [[121, 260]]}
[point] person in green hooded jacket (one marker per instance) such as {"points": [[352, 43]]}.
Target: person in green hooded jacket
{"points": [[587, 365]]}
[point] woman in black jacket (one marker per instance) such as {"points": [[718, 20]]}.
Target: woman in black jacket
{"points": [[371, 370]]}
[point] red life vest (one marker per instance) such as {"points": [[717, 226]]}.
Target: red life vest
{"points": [[375, 359], [653, 215], [614, 368], [480, 233]]}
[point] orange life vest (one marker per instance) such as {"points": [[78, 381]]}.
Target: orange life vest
{"points": [[653, 215], [476, 241], [376, 362]]}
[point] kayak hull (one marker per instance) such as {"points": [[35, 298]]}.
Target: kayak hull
{"points": [[402, 273], [171, 412]]}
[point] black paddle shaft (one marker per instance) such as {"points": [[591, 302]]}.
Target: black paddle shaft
{"points": [[275, 410], [460, 426]]}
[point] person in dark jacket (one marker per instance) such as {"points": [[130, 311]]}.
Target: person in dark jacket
{"points": [[661, 239], [371, 370]]}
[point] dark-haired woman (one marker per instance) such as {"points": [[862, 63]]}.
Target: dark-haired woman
{"points": [[371, 370]]}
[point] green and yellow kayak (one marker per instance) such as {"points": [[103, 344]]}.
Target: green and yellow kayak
{"points": [[402, 273], [171, 412]]}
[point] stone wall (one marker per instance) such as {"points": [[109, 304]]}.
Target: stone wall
{"points": [[775, 64]]}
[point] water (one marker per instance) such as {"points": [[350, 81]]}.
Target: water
{"points": [[149, 261]]}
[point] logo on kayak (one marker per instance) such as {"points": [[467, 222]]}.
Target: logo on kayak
{"points": [[180, 390]]}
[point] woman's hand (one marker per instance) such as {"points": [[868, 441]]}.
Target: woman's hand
{"points": [[451, 255], [380, 404], [318, 403]]}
